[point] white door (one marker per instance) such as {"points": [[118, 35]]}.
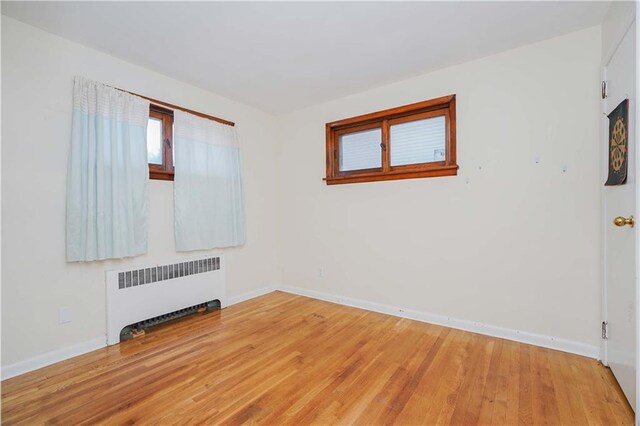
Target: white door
{"points": [[620, 244]]}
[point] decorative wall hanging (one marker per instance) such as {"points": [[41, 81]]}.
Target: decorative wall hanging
{"points": [[618, 144]]}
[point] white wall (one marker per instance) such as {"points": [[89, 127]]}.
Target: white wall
{"points": [[37, 74], [507, 242]]}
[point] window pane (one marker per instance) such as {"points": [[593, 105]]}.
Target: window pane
{"points": [[420, 141], [361, 150], [154, 141]]}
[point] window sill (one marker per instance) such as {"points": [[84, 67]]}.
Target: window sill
{"points": [[161, 174], [393, 175]]}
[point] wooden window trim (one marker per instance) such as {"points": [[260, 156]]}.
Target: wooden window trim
{"points": [[163, 171], [443, 106], [354, 129], [166, 170]]}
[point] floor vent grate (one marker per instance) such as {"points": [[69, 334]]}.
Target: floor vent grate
{"points": [[130, 331]]}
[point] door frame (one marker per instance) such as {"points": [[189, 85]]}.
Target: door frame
{"points": [[607, 56]]}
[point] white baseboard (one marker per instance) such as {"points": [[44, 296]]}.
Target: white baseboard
{"points": [[52, 357], [590, 351], [251, 294], [472, 326]]}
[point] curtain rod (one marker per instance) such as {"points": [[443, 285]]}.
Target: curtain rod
{"points": [[168, 105]]}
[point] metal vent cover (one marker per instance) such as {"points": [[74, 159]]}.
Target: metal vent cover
{"points": [[136, 277]]}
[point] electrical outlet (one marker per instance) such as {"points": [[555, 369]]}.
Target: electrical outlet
{"points": [[64, 315], [320, 272]]}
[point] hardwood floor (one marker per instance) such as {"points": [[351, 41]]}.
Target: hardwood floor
{"points": [[285, 359]]}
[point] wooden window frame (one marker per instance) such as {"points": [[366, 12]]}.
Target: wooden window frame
{"points": [[443, 106], [164, 111], [164, 171]]}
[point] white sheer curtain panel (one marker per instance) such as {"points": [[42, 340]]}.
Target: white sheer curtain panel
{"points": [[108, 174], [208, 184]]}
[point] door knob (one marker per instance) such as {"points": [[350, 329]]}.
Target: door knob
{"points": [[622, 221]]}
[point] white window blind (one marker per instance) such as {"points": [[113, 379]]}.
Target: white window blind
{"points": [[361, 150], [420, 141]]}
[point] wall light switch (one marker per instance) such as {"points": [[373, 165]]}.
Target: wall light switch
{"points": [[64, 315]]}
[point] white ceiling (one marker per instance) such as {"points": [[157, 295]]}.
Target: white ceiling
{"points": [[284, 56]]}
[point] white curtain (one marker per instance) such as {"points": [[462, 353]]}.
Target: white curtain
{"points": [[208, 187], [108, 174]]}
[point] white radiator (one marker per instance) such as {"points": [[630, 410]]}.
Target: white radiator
{"points": [[135, 295]]}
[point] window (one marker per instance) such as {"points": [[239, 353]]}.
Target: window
{"points": [[160, 143], [412, 141]]}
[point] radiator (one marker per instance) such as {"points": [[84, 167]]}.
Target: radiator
{"points": [[138, 294]]}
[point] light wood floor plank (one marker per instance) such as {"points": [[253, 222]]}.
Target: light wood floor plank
{"points": [[285, 359]]}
